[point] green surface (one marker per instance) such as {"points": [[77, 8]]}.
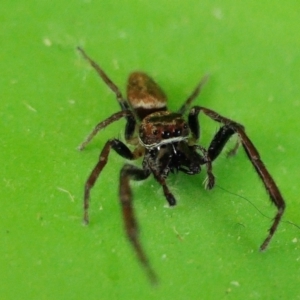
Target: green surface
{"points": [[206, 247]]}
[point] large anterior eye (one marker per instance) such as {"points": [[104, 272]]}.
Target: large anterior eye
{"points": [[177, 132], [166, 134]]}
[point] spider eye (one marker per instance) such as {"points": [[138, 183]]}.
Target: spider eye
{"points": [[166, 134], [177, 132], [185, 126]]}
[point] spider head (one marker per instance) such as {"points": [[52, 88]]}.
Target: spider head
{"points": [[162, 127]]}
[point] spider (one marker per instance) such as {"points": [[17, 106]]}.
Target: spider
{"points": [[168, 142]]}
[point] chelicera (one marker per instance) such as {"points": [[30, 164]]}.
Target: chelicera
{"points": [[168, 142]]}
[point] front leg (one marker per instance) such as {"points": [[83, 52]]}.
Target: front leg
{"points": [[130, 172], [230, 127], [122, 150]]}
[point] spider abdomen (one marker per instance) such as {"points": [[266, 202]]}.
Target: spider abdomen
{"points": [[144, 95]]}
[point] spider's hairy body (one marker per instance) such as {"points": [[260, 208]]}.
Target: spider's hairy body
{"points": [[162, 127], [168, 142]]}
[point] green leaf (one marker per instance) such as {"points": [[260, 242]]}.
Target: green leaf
{"points": [[207, 246]]}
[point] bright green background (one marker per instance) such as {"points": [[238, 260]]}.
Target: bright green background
{"points": [[206, 247]]}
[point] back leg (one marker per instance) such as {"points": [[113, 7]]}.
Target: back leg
{"points": [[131, 122], [123, 103], [193, 96], [225, 132], [113, 118]]}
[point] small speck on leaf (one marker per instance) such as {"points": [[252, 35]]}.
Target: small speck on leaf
{"points": [[47, 42]]}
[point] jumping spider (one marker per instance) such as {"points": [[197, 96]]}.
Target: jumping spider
{"points": [[168, 143]]}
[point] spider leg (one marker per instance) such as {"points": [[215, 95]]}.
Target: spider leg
{"points": [[194, 95], [210, 179], [233, 151], [230, 127], [123, 103], [169, 196], [103, 124], [162, 181], [195, 130], [219, 141], [130, 125], [130, 172], [191, 153], [122, 150]]}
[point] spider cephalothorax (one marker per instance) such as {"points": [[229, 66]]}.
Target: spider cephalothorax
{"points": [[168, 142], [162, 127]]}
